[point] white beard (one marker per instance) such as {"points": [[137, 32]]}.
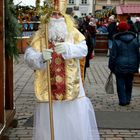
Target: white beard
{"points": [[57, 30]]}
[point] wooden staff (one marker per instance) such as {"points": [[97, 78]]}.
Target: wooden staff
{"points": [[49, 88]]}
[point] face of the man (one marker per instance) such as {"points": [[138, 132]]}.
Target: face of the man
{"points": [[57, 27], [56, 15]]}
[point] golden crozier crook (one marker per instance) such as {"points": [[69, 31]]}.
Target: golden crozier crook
{"points": [[57, 8]]}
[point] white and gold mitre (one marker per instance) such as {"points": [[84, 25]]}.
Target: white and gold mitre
{"points": [[59, 5]]}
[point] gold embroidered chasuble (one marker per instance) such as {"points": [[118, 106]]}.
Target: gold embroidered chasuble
{"points": [[70, 66]]}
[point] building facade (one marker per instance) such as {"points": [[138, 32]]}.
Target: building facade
{"points": [[80, 7], [85, 7], [115, 2]]}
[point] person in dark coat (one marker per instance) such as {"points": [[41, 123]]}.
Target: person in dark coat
{"points": [[137, 27], [92, 31], [112, 29], [131, 24], [124, 61]]}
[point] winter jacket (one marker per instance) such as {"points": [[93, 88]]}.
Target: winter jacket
{"points": [[137, 26], [92, 30], [124, 56], [112, 29]]}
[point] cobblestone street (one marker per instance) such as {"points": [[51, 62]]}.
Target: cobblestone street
{"points": [[94, 87]]}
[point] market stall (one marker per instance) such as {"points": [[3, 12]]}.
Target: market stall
{"points": [[28, 29], [123, 11]]}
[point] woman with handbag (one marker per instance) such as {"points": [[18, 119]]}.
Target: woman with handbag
{"points": [[124, 61]]}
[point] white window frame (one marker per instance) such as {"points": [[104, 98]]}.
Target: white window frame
{"points": [[71, 1], [84, 1]]}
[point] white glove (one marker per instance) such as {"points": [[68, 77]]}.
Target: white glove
{"points": [[47, 54], [60, 48]]}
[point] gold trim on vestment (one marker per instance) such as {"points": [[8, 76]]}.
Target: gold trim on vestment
{"points": [[81, 97], [71, 70]]}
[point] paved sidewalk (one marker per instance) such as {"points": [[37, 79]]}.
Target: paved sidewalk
{"points": [[94, 86]]}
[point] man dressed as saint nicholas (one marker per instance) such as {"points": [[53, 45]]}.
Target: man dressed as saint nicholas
{"points": [[73, 113]]}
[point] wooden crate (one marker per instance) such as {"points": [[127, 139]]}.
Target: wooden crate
{"points": [[22, 44], [101, 43], [136, 81]]}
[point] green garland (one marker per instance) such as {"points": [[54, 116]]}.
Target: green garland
{"points": [[12, 30], [45, 11]]}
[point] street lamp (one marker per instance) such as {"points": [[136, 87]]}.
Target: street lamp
{"points": [[93, 7]]}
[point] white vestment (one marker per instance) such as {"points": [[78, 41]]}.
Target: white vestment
{"points": [[73, 120]]}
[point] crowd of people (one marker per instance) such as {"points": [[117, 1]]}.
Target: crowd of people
{"points": [[29, 22], [89, 26], [123, 49]]}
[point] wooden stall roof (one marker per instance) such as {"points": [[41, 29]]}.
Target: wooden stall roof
{"points": [[128, 9]]}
